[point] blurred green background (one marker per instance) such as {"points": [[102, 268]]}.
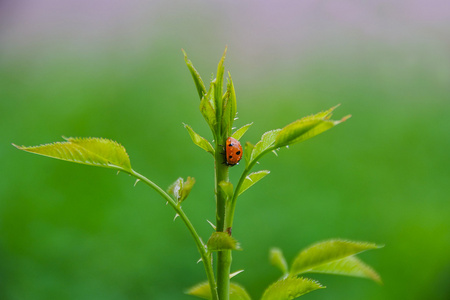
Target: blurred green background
{"points": [[115, 69]]}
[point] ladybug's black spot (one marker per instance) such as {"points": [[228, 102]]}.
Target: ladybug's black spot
{"points": [[239, 152], [230, 157], [230, 145]]}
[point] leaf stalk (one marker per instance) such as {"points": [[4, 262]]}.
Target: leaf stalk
{"points": [[232, 206], [206, 256]]}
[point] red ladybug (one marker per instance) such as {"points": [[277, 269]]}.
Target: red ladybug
{"points": [[233, 151]]}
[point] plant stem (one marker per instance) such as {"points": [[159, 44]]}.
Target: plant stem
{"points": [[221, 175], [223, 274], [223, 257], [206, 257]]}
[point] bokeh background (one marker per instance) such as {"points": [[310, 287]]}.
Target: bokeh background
{"points": [[115, 69]]}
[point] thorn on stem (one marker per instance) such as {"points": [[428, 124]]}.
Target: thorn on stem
{"points": [[212, 225], [236, 273]]}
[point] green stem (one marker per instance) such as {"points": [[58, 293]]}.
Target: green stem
{"points": [[206, 257], [223, 257], [221, 175], [223, 274]]}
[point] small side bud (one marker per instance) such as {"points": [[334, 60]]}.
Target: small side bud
{"points": [[180, 189], [174, 188], [186, 188]]}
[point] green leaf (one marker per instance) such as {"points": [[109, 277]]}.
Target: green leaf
{"points": [[89, 151], [290, 288], [349, 266], [201, 89], [307, 127], [202, 290], [248, 152], [229, 108], [266, 143], [208, 108], [241, 131], [277, 259], [227, 188], [226, 112], [220, 241], [237, 292], [251, 179], [219, 81], [326, 252], [199, 140]]}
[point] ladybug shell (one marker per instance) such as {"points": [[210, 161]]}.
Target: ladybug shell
{"points": [[233, 151]]}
